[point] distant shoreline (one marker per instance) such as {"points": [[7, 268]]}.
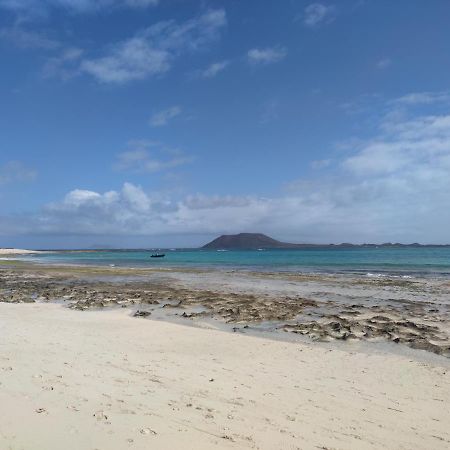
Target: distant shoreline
{"points": [[17, 251], [381, 262]]}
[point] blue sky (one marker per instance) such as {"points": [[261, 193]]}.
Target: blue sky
{"points": [[167, 122]]}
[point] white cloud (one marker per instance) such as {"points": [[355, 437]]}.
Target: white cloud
{"points": [[266, 55], [114, 212], [163, 117], [16, 171], [406, 140], [318, 13], [118, 212], [149, 157], [131, 60], [214, 69], [153, 50], [79, 197]]}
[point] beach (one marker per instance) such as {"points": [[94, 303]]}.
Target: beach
{"points": [[105, 380], [114, 358]]}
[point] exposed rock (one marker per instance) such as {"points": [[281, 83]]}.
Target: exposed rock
{"points": [[139, 313]]}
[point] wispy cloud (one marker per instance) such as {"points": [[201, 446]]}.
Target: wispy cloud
{"points": [[318, 13], [153, 50], [16, 171], [266, 55], [270, 111], [163, 117], [423, 98], [214, 69], [32, 8], [148, 157], [141, 3], [27, 39], [65, 65], [134, 59], [320, 163], [384, 63]]}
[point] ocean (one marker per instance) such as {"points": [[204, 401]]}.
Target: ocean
{"points": [[381, 261]]}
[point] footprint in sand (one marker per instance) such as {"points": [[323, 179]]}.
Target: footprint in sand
{"points": [[148, 431], [101, 416], [73, 408]]}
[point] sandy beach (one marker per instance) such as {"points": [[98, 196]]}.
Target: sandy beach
{"points": [[105, 380], [101, 358]]}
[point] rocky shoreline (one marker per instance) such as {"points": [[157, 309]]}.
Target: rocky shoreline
{"points": [[412, 317]]}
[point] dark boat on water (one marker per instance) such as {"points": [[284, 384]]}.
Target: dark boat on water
{"points": [[157, 255]]}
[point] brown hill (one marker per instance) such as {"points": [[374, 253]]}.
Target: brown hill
{"points": [[247, 241]]}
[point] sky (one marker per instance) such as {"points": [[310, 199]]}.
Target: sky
{"points": [[141, 123]]}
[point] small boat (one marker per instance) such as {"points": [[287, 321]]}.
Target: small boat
{"points": [[157, 255]]}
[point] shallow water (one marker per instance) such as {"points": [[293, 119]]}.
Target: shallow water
{"points": [[371, 262]]}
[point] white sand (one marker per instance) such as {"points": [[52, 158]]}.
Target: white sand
{"points": [[16, 251], [107, 381]]}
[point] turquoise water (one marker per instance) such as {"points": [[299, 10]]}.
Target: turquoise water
{"points": [[402, 261]]}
